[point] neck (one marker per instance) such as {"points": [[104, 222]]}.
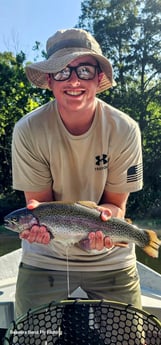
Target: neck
{"points": [[77, 122]]}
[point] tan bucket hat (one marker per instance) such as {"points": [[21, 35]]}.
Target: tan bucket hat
{"points": [[64, 47]]}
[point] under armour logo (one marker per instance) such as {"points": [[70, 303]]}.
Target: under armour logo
{"points": [[101, 159]]}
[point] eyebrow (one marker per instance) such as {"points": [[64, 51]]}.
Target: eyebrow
{"points": [[84, 63]]}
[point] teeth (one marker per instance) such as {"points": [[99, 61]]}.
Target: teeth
{"points": [[74, 93]]}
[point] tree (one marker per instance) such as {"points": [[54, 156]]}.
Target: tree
{"points": [[17, 97], [129, 34]]}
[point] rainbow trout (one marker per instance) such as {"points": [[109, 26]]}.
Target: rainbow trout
{"points": [[70, 223]]}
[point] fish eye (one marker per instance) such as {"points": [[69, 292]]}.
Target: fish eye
{"points": [[14, 219]]}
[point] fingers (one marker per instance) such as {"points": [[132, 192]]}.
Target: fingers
{"points": [[32, 204], [106, 214], [108, 243], [98, 241], [38, 234]]}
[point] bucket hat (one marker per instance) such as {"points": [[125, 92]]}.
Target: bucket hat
{"points": [[64, 47]]}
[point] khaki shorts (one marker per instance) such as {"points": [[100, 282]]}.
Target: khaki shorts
{"points": [[37, 286]]}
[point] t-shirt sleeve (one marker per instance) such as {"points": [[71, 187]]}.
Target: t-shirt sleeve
{"points": [[30, 166], [125, 168]]}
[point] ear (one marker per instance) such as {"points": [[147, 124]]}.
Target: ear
{"points": [[49, 81], [100, 76]]}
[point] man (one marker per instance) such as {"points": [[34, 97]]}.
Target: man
{"points": [[76, 147]]}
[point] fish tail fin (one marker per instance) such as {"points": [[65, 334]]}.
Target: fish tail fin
{"points": [[152, 249]]}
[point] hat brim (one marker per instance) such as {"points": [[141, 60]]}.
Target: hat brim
{"points": [[36, 73]]}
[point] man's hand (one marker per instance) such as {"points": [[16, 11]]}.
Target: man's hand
{"points": [[97, 240], [38, 234]]}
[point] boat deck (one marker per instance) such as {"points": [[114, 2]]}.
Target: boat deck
{"points": [[150, 285]]}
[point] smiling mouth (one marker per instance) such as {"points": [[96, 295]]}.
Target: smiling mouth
{"points": [[74, 93]]}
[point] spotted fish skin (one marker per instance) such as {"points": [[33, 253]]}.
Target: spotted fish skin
{"points": [[71, 222]]}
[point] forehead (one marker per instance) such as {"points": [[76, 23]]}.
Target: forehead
{"points": [[83, 59]]}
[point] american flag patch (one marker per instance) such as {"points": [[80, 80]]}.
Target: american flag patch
{"points": [[135, 173]]}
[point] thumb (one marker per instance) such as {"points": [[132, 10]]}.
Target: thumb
{"points": [[32, 204], [106, 214]]}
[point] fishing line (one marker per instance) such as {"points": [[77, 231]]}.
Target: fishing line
{"points": [[68, 278]]}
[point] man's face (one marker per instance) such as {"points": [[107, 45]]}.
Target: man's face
{"points": [[75, 94]]}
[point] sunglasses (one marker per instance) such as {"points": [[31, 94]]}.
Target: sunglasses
{"points": [[83, 71]]}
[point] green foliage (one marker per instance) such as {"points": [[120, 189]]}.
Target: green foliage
{"points": [[129, 34], [17, 97], [9, 202], [12, 100]]}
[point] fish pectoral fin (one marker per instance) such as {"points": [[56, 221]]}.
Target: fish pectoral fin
{"points": [[89, 204], [152, 248], [120, 244]]}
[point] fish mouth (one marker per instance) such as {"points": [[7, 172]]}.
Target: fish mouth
{"points": [[10, 225]]}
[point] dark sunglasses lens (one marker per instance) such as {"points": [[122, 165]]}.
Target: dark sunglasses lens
{"points": [[85, 72], [64, 74]]}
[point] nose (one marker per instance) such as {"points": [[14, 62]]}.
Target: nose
{"points": [[74, 78]]}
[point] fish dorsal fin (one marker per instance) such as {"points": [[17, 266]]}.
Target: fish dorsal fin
{"points": [[128, 220], [89, 204]]}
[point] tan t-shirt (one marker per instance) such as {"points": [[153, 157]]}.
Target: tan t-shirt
{"points": [[107, 157]]}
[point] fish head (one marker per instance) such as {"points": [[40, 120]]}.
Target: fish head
{"points": [[20, 220]]}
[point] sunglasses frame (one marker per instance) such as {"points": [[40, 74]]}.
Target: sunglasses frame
{"points": [[75, 69]]}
